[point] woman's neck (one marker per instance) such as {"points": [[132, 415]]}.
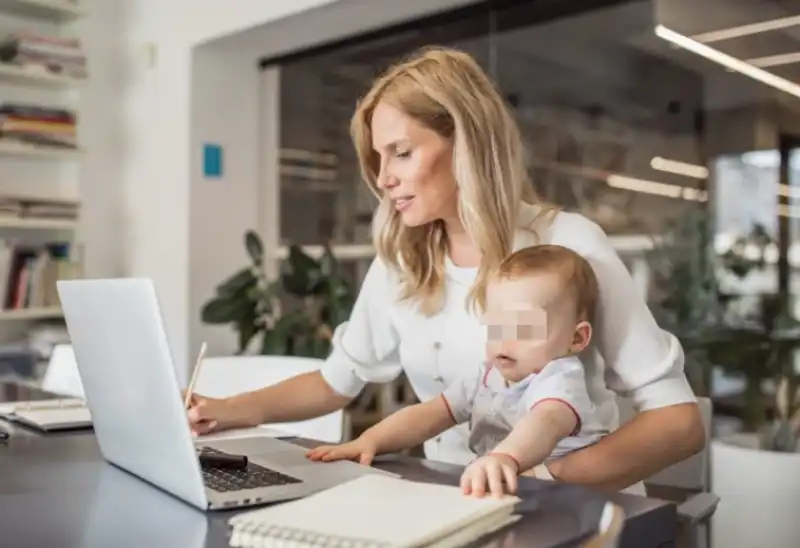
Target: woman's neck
{"points": [[462, 249]]}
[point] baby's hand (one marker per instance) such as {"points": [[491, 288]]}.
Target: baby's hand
{"points": [[360, 450], [494, 474]]}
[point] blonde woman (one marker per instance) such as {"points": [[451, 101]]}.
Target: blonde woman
{"points": [[442, 152]]}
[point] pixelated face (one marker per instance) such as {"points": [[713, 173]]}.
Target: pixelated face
{"points": [[530, 321]]}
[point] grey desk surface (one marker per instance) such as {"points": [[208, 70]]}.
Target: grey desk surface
{"points": [[57, 492]]}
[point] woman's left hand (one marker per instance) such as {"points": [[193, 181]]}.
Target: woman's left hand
{"points": [[494, 474]]}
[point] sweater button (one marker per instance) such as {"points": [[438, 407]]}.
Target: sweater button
{"points": [[437, 345], [438, 378]]}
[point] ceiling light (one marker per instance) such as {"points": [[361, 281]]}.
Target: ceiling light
{"points": [[679, 168], [653, 187], [728, 61], [746, 30], [775, 60]]}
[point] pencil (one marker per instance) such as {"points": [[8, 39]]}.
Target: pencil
{"points": [[195, 374]]}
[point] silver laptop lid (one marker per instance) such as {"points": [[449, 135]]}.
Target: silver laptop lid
{"points": [[123, 356]]}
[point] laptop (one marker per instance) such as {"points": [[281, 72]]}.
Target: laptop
{"points": [[132, 391]]}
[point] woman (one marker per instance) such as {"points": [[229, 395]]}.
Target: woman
{"points": [[441, 150]]}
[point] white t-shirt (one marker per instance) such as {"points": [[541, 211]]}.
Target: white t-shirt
{"points": [[629, 353], [492, 409]]}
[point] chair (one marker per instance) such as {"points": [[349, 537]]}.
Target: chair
{"points": [[221, 377], [612, 520], [62, 376], [686, 483]]}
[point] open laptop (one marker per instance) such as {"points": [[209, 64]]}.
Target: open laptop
{"points": [[133, 394]]}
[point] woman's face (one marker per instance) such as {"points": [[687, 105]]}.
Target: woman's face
{"points": [[416, 167]]}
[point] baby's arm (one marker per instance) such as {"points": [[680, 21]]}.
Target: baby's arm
{"points": [[410, 426], [535, 436], [418, 423], [557, 401]]}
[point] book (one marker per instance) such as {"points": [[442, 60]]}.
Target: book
{"points": [[375, 511]]}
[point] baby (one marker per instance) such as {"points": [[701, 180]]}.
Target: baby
{"points": [[529, 402]]}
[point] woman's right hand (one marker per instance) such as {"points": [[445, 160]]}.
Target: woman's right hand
{"points": [[209, 415]]}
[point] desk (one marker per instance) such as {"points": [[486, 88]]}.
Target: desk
{"points": [[56, 491]]}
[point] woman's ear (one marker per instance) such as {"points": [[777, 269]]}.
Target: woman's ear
{"points": [[582, 336]]}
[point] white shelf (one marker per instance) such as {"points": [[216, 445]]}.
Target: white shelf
{"points": [[54, 10], [31, 314], [37, 224], [31, 77], [18, 150]]}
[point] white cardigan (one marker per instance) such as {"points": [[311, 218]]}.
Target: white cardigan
{"points": [[629, 353]]}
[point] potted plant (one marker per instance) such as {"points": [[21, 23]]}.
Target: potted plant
{"points": [[293, 315], [684, 294]]}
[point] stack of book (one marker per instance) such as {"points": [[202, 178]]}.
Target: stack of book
{"points": [[28, 274], [53, 54], [38, 125]]}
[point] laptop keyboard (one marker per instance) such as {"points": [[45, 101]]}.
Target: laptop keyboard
{"points": [[253, 477]]}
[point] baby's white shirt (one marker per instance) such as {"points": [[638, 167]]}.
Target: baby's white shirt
{"points": [[492, 408]]}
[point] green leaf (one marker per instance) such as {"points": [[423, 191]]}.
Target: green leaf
{"points": [[280, 339], [328, 265], [239, 282], [247, 329], [302, 274], [222, 310], [273, 343], [254, 246]]}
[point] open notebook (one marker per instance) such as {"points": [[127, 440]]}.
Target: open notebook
{"points": [[375, 511]]}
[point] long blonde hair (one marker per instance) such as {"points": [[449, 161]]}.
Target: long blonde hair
{"points": [[446, 91]]}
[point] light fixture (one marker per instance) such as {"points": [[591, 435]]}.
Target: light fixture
{"points": [[746, 30], [775, 60], [654, 187], [679, 168], [727, 61]]}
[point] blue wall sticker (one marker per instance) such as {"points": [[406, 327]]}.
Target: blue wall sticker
{"points": [[212, 160]]}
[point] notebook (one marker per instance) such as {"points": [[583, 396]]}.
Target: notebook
{"points": [[50, 415], [375, 511]]}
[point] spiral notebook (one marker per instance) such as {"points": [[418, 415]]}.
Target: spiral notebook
{"points": [[375, 511]]}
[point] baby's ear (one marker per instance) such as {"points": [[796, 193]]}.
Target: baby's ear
{"points": [[581, 337]]}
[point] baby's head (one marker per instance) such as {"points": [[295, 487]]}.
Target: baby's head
{"points": [[539, 305]]}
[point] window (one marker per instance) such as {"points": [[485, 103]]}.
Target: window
{"points": [[622, 125]]}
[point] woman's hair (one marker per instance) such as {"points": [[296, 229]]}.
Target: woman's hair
{"points": [[445, 90]]}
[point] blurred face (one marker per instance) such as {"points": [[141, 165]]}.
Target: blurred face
{"points": [[416, 171], [531, 321]]}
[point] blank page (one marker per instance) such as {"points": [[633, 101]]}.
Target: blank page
{"points": [[379, 509]]}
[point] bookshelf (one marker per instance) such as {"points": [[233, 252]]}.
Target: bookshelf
{"points": [[42, 69]]}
